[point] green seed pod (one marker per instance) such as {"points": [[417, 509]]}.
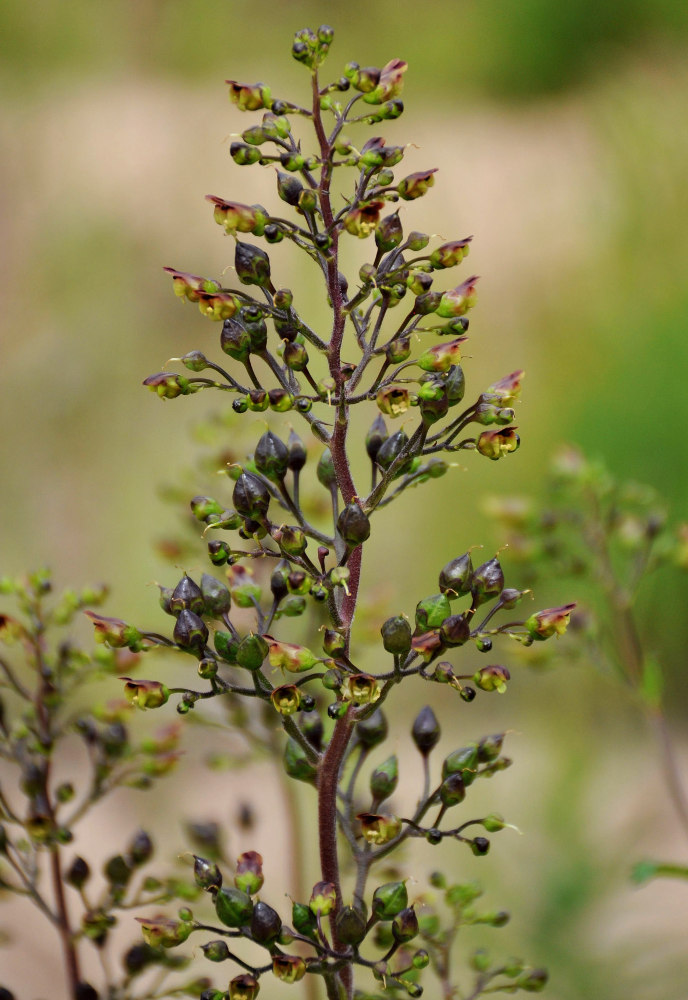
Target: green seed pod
{"points": [[455, 383], [297, 765], [353, 525], [332, 680], [464, 762], [295, 356], [204, 507], [289, 188], [272, 457], [258, 400], [251, 496], [457, 576], [390, 449], [292, 540], [452, 790], [420, 959], [234, 340], [280, 400], [426, 731], [384, 780], [431, 612], [186, 595], [251, 652], [215, 951], [243, 154], [265, 923], [373, 730], [216, 597], [405, 925], [233, 907], [190, 631], [206, 874], [226, 646], [325, 469], [389, 900], [455, 630], [396, 635], [304, 920], [480, 846], [389, 232], [350, 925]]}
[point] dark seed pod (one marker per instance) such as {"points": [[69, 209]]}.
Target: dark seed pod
{"points": [[426, 731], [251, 496], [190, 630], [252, 265], [296, 452], [452, 790], [272, 457], [396, 635], [376, 436], [140, 849], [78, 873], [278, 580], [353, 525], [456, 577], [487, 582], [187, 596], [216, 596], [405, 925], [206, 874], [372, 730], [235, 341], [265, 923], [350, 925], [480, 846], [455, 630]]}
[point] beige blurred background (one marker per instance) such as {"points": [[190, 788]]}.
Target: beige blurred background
{"points": [[559, 131]]}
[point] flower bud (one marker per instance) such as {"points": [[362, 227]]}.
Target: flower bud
{"points": [[249, 873], [389, 232], [384, 779], [487, 581], [257, 400], [361, 689], [286, 699], [244, 987], [431, 612], [350, 925], [334, 642], [237, 218], [364, 80], [490, 748], [393, 400], [457, 301], [288, 968], [251, 652], [296, 763], [252, 265], [405, 925], [452, 790], [492, 678], [271, 457], [114, 631], [425, 731], [416, 185], [296, 452], [532, 981], [379, 829], [295, 356], [464, 762], [441, 357], [323, 898], [450, 254], [235, 340], [204, 507], [233, 907], [372, 730], [420, 959], [480, 846], [188, 286], [249, 96], [496, 444], [265, 923], [190, 630], [303, 920], [226, 646], [552, 621], [396, 351], [353, 525], [389, 900], [396, 635], [206, 874], [251, 496]]}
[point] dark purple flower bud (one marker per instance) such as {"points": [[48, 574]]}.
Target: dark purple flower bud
{"points": [[384, 780], [480, 846], [389, 232], [372, 730], [289, 188], [265, 923], [405, 925], [78, 873], [426, 731], [190, 630]]}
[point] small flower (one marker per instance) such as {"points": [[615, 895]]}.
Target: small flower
{"points": [[492, 678], [393, 400], [390, 82], [552, 621], [290, 656], [189, 285], [249, 872], [286, 699], [167, 385], [249, 96], [440, 357], [498, 443], [457, 301], [508, 389], [323, 898], [145, 694], [450, 254], [217, 305], [416, 185], [114, 631], [379, 829], [238, 218], [244, 987], [362, 220], [162, 932], [288, 968], [361, 689]]}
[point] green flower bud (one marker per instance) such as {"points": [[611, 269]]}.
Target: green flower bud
{"points": [[389, 900], [215, 951], [379, 829], [398, 350], [334, 642], [217, 306], [450, 254], [290, 656], [296, 763], [426, 731], [353, 525], [323, 898], [288, 968], [452, 790], [553, 621], [266, 923], [286, 699], [248, 876], [252, 265], [426, 303], [234, 340], [308, 203], [393, 400], [487, 581], [146, 694], [244, 987], [249, 96], [204, 507], [113, 631], [206, 874], [325, 469], [233, 907], [405, 925], [251, 496], [416, 185], [396, 635], [251, 652], [364, 80], [190, 630], [496, 444], [431, 612], [216, 597], [492, 678], [420, 959], [372, 730], [384, 779], [188, 286]]}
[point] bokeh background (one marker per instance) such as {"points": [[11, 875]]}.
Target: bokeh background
{"points": [[559, 131]]}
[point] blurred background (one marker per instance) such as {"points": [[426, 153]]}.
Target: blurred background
{"points": [[559, 131]]}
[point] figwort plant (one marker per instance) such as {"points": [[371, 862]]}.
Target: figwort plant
{"points": [[392, 345]]}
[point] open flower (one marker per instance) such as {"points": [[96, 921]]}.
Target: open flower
{"points": [[145, 694], [238, 218], [552, 621], [249, 96]]}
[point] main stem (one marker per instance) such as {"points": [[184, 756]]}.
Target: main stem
{"points": [[330, 767]]}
